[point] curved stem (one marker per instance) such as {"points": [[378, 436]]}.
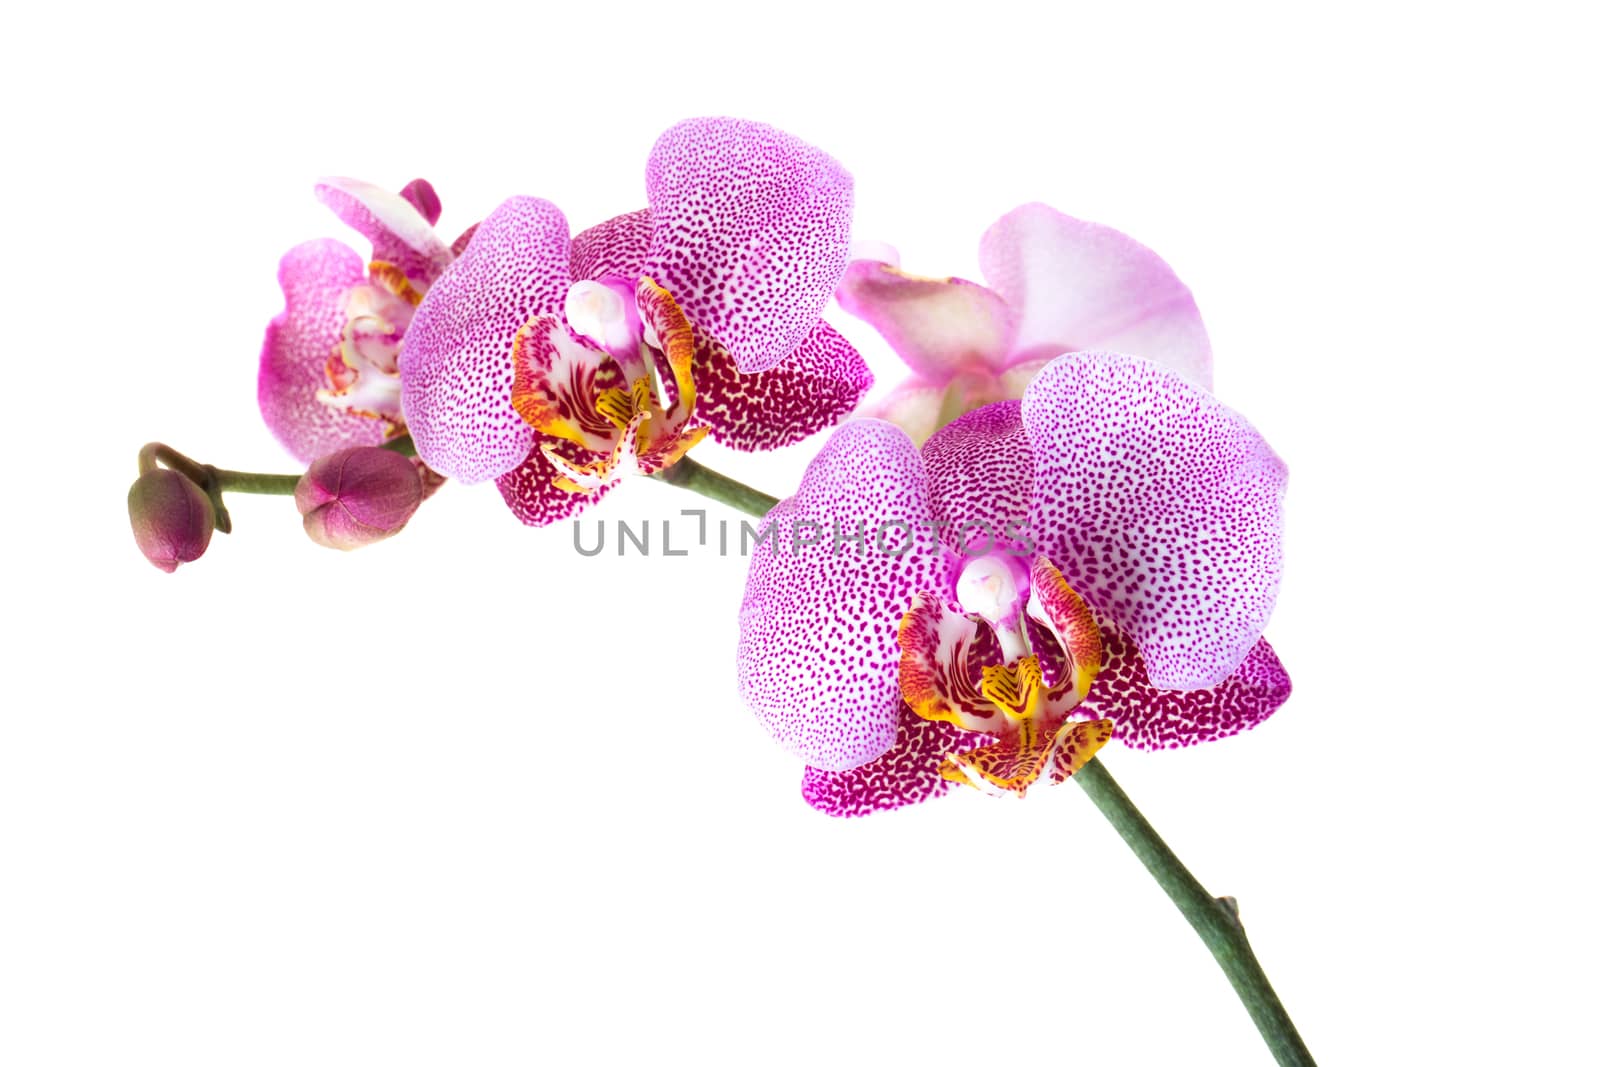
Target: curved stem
{"points": [[1215, 919], [215, 481], [687, 474], [157, 454]]}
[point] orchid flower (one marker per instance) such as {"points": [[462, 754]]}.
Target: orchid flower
{"points": [[556, 366], [1106, 557], [1056, 284], [330, 376]]}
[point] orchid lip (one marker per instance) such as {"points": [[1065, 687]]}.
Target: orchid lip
{"points": [[1031, 719], [597, 382]]}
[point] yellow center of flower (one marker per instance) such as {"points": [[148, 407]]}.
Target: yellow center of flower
{"points": [[593, 384], [980, 670]]}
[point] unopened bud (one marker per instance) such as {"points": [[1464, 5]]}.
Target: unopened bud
{"points": [[172, 518], [357, 496]]}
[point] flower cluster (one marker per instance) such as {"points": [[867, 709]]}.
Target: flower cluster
{"points": [[1130, 521], [1050, 536]]}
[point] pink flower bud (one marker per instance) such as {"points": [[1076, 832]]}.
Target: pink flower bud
{"points": [[357, 496], [172, 518]]}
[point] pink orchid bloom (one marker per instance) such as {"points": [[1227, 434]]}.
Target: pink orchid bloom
{"points": [[1105, 559], [330, 376], [556, 366], [1056, 284]]}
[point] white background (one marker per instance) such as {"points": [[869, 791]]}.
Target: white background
{"points": [[469, 798]]}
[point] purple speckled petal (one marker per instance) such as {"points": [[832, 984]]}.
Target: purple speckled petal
{"points": [[399, 232], [616, 246], [1147, 717], [1161, 506], [752, 233], [419, 193], [817, 386], [455, 365], [529, 490], [819, 660], [980, 479], [906, 774], [1079, 285], [316, 277], [938, 326]]}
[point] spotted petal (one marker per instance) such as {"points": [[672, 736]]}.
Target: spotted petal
{"points": [[906, 774], [530, 490], [1147, 717], [817, 386], [456, 365], [317, 278], [938, 326], [1161, 506], [818, 653], [980, 476], [617, 246], [399, 231], [751, 233], [1079, 286]]}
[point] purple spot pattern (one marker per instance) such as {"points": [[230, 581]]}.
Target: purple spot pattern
{"points": [[814, 388], [455, 366], [1147, 717], [818, 656], [616, 246], [980, 471], [423, 257], [315, 277], [906, 774], [529, 489], [1161, 506], [751, 233]]}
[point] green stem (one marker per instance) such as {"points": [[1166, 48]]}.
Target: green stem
{"points": [[687, 474], [250, 482], [1215, 919], [157, 454]]}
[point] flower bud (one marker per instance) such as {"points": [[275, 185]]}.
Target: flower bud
{"points": [[357, 496], [172, 518]]}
